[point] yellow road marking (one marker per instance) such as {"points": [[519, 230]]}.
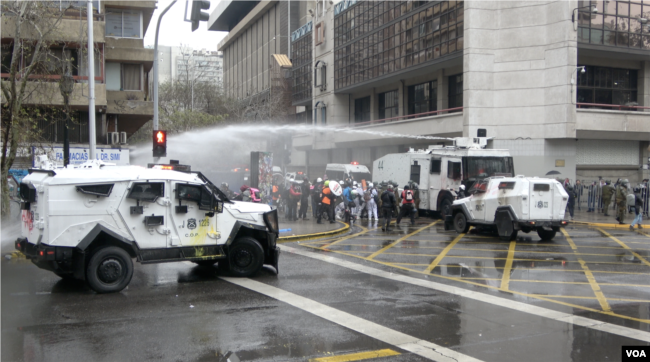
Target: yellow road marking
{"points": [[592, 298], [571, 305], [373, 255], [364, 230], [590, 277], [357, 356], [442, 254], [625, 247], [533, 269], [505, 278]]}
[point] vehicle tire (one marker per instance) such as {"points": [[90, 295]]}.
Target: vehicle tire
{"points": [[546, 235], [505, 226], [460, 223], [246, 257], [205, 262], [445, 207], [109, 270]]}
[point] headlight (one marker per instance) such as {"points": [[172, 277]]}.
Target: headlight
{"points": [[271, 220]]}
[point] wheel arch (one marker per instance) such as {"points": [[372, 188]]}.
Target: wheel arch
{"points": [[257, 232], [443, 194], [101, 235]]}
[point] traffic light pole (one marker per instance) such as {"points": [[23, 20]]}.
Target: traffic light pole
{"points": [[155, 69]]}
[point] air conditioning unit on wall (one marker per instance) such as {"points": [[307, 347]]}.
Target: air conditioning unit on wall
{"points": [[123, 138], [112, 138]]}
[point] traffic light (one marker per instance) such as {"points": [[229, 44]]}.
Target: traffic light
{"points": [[197, 15], [159, 143]]}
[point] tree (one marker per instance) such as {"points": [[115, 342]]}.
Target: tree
{"points": [[31, 26]]}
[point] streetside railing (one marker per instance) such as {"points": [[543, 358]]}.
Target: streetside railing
{"points": [[408, 116], [589, 196], [615, 107]]}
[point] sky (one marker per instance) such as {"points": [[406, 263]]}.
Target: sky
{"points": [[174, 31]]}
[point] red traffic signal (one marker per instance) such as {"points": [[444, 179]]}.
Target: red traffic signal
{"points": [[159, 143]]}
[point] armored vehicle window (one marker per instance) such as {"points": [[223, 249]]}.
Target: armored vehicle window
{"points": [[479, 186], [188, 192], [453, 170], [506, 186], [541, 187], [147, 191], [208, 200], [435, 166], [99, 190], [27, 192]]}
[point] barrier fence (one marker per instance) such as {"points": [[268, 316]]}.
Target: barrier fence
{"points": [[589, 196]]}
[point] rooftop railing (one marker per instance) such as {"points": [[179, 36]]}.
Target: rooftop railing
{"points": [[408, 116]]}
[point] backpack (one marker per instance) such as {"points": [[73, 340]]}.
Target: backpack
{"points": [[409, 195], [366, 195], [631, 200]]}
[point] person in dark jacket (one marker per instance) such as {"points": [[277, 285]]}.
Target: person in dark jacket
{"points": [[408, 206], [315, 193], [294, 197], [638, 209], [388, 204], [572, 200], [304, 198]]}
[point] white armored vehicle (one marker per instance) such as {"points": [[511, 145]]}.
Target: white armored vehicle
{"points": [[89, 222], [440, 169], [510, 205]]}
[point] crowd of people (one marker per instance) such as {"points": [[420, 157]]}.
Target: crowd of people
{"points": [[602, 195], [354, 200]]}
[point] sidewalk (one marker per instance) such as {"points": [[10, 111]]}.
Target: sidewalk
{"points": [[304, 230], [598, 219]]}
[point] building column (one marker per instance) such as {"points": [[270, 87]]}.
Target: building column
{"points": [[374, 105], [644, 85], [401, 101], [443, 90]]}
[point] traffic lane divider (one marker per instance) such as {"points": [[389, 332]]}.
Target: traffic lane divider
{"points": [[601, 225], [287, 239]]}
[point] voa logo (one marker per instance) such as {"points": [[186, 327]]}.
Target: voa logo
{"points": [[635, 353]]}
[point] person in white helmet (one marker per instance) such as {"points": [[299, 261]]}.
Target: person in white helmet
{"points": [[369, 203]]}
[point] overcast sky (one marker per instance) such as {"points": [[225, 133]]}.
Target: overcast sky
{"points": [[174, 31]]}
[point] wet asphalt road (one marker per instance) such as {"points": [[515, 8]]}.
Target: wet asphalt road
{"points": [[182, 312]]}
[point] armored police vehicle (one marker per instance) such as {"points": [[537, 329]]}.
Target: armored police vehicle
{"points": [[89, 222], [510, 205], [439, 170]]}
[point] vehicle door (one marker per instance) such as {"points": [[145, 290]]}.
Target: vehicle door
{"points": [[454, 175], [145, 210], [477, 201], [435, 172], [195, 223], [541, 200], [419, 175]]}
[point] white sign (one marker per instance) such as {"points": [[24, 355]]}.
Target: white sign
{"points": [[79, 155], [336, 188]]}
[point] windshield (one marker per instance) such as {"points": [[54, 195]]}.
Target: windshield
{"points": [[482, 167], [358, 176]]}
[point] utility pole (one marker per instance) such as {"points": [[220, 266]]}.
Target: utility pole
{"points": [[92, 137]]}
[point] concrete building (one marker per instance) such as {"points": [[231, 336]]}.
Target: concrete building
{"points": [[177, 63], [122, 66], [510, 70]]}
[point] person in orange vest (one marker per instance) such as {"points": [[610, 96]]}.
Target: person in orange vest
{"points": [[326, 204], [275, 193], [408, 204]]}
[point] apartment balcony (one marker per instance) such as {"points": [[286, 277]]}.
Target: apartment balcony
{"points": [[126, 50], [68, 30], [612, 122], [130, 109], [49, 94], [442, 123], [147, 7]]}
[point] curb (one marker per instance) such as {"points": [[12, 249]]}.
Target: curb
{"points": [[286, 239], [602, 225]]}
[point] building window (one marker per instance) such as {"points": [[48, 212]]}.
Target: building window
{"points": [[123, 77], [602, 85], [319, 33], [423, 97], [301, 59], [123, 23], [376, 38], [388, 104], [617, 23], [362, 109], [456, 91]]}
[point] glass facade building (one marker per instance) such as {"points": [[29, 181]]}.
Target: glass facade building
{"points": [[301, 58], [603, 85], [375, 38], [616, 23]]}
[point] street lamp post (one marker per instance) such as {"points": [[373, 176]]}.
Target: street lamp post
{"points": [[66, 87]]}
